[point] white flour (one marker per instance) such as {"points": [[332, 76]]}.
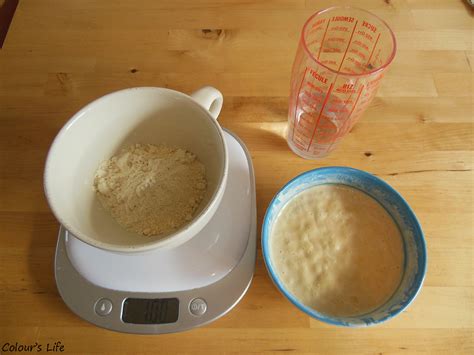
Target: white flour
{"points": [[151, 190]]}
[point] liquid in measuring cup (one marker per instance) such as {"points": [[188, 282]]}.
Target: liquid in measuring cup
{"points": [[342, 57]]}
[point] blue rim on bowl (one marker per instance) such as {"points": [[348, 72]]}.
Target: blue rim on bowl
{"points": [[413, 240]]}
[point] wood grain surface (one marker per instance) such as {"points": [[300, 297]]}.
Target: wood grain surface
{"points": [[417, 135]]}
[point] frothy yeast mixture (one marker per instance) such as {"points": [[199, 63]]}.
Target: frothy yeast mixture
{"points": [[337, 250]]}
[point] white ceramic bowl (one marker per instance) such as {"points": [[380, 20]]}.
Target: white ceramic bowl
{"points": [[102, 128]]}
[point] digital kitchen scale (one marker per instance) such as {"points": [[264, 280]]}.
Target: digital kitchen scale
{"points": [[168, 290]]}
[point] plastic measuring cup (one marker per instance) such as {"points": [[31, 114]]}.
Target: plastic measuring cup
{"points": [[342, 56]]}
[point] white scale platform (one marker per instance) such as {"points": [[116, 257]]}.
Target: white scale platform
{"points": [[168, 290]]}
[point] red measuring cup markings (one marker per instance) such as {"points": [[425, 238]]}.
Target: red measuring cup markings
{"points": [[342, 55]]}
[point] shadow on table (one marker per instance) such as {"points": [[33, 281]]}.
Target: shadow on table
{"points": [[7, 11]]}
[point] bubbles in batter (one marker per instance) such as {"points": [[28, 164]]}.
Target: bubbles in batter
{"points": [[337, 250]]}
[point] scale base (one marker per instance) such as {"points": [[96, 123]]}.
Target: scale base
{"points": [[171, 311]]}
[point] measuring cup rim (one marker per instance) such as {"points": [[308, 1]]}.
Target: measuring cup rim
{"points": [[381, 68]]}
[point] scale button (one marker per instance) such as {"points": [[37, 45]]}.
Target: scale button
{"points": [[198, 307], [103, 307]]}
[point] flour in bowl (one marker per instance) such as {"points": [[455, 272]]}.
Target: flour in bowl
{"points": [[337, 250], [149, 189]]}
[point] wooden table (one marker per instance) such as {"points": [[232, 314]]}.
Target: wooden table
{"points": [[417, 135]]}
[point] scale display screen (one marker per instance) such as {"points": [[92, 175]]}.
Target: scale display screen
{"points": [[150, 311]]}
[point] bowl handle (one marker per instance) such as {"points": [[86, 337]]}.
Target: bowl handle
{"points": [[210, 98]]}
